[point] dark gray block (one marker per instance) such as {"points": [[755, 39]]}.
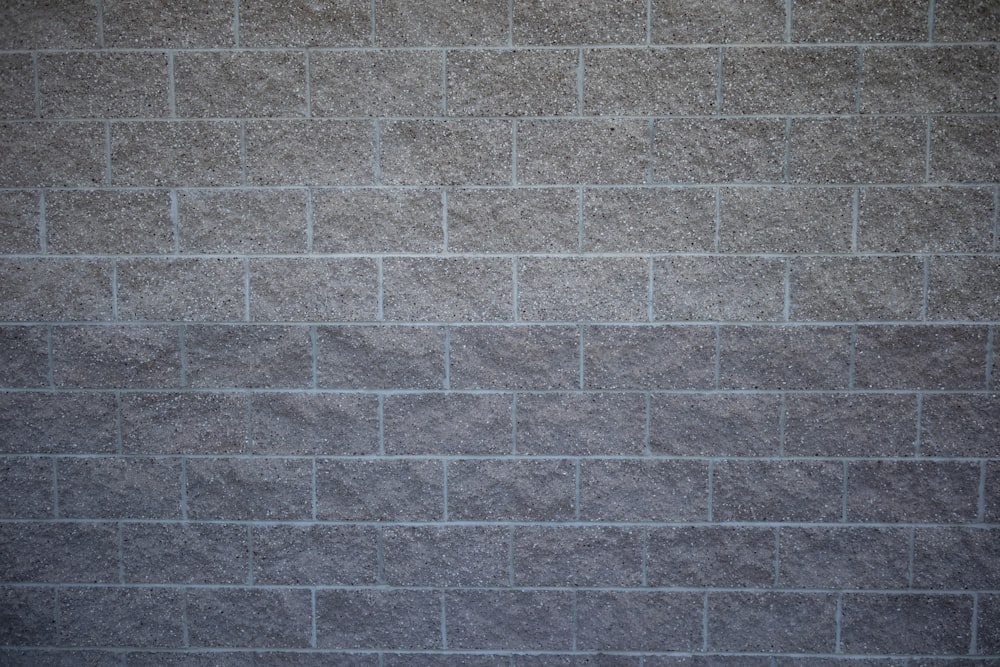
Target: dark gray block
{"points": [[108, 222], [241, 221], [445, 660], [57, 423], [116, 357], [648, 219], [639, 620], [963, 425], [575, 660], [26, 488], [510, 220], [785, 220], [850, 424], [248, 617], [453, 424], [771, 622], [19, 222], [811, 357], [216, 84], [966, 21], [27, 616], [137, 617], [376, 83], [59, 552], [718, 150], [515, 490], [119, 488], [602, 557], [890, 623], [956, 558], [641, 357], [103, 85], [777, 491], [59, 658], [715, 424], [718, 288], [590, 22], [31, 24], [693, 21], [304, 290], [166, 153], [52, 154], [314, 555], [24, 357], [921, 357], [388, 619], [964, 288], [51, 290], [314, 424], [454, 556], [185, 24], [583, 289], [509, 620], [249, 489], [380, 357], [536, 357], [581, 424], [989, 624], [912, 491], [512, 83], [181, 289], [864, 288], [298, 23], [311, 659], [310, 152], [377, 220], [448, 289], [858, 150], [837, 558], [582, 151], [636, 490], [446, 152], [211, 423], [379, 490], [711, 556], [171, 553], [963, 148], [248, 356], [441, 23], [649, 82], [860, 21], [789, 81], [17, 95]]}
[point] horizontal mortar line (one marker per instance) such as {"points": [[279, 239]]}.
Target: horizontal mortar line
{"points": [[509, 324], [639, 256]]}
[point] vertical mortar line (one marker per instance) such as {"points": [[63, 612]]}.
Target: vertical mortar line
{"points": [[310, 219], [648, 431], [649, 289], [243, 151], [579, 82], [858, 78], [312, 484], [184, 487], [43, 233], [313, 353], [788, 21], [34, 82], [171, 85], [576, 485], [787, 157], [513, 423], [381, 424], [930, 20], [644, 537], [114, 290], [974, 635], [107, 152], [444, 622], [175, 220], [380, 297], [711, 489], [925, 288], [246, 289], [250, 548], [120, 537], [927, 149], [444, 82], [447, 358], [718, 82], [308, 88], [444, 487], [515, 287], [777, 555], [839, 618], [981, 504], [236, 23], [55, 487], [119, 446], [843, 493], [910, 554], [717, 241], [513, 152], [100, 23], [312, 617], [852, 353], [918, 441], [444, 220], [704, 622], [787, 309], [510, 556], [855, 217], [379, 555], [718, 357], [50, 373], [782, 421], [579, 219]]}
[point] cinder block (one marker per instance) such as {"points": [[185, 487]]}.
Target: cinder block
{"points": [[788, 490], [303, 290], [241, 84], [512, 83], [250, 489], [989, 624], [861, 149], [912, 491], [52, 290], [33, 25], [940, 219], [696, 22], [116, 357], [921, 357], [582, 151], [450, 660], [723, 661], [452, 424], [388, 619], [511, 490], [210, 423], [718, 288], [57, 423], [24, 357], [856, 288], [142, 24], [449, 289], [189, 657], [838, 558], [248, 356], [718, 150], [581, 424], [956, 558], [360, 357], [711, 556], [135, 617], [785, 220], [598, 556], [850, 424], [119, 488], [59, 658], [964, 288], [591, 22], [311, 659], [379, 490], [249, 617], [189, 553], [808, 357], [291, 424], [17, 90], [59, 552], [892, 623], [637, 620], [19, 222], [966, 21], [314, 555], [964, 425], [377, 220], [242, 221], [860, 21], [647, 357], [715, 424], [310, 152], [453, 556], [486, 220], [108, 222], [641, 220], [614, 289], [376, 83], [166, 153], [577, 660], [26, 488], [446, 152], [299, 23], [772, 622], [181, 289], [643, 490], [58, 154], [789, 80], [963, 148], [523, 357], [441, 23], [27, 616], [649, 82], [103, 85], [509, 620]]}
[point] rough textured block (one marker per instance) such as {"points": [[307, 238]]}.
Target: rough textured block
{"points": [[785, 220], [784, 357], [577, 556], [165, 153], [379, 490], [536, 357], [540, 620], [718, 288], [108, 222], [116, 357], [963, 425], [299, 23], [19, 222], [248, 617], [185, 24], [912, 491], [653, 82], [194, 658], [448, 289], [17, 95], [181, 289], [378, 619], [777, 491], [591, 22], [648, 219], [448, 660], [32, 24], [119, 488], [103, 85], [921, 357], [963, 148], [441, 23], [27, 616], [446, 152], [789, 81], [311, 659], [715, 424], [989, 623], [290, 424], [310, 152], [508, 220], [512, 83], [24, 356], [718, 150], [576, 660], [861, 288], [966, 21], [51, 154], [581, 424], [771, 622], [725, 661], [694, 21], [283, 290], [850, 424], [121, 617], [241, 221], [248, 356], [59, 552], [639, 620], [646, 357], [216, 84], [60, 658], [938, 219], [956, 558], [582, 151], [26, 488], [858, 150], [451, 556], [211, 423], [453, 424], [943, 79], [964, 288], [376, 83], [588, 289], [57, 423], [713, 556], [170, 553], [377, 220], [840, 558], [55, 289], [635, 490], [380, 357], [912, 623], [515, 490], [860, 21], [250, 489], [314, 555]]}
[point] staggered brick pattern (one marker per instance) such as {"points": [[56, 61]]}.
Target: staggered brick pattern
{"points": [[500, 332]]}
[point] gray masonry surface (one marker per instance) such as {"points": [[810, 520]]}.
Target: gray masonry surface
{"points": [[652, 333]]}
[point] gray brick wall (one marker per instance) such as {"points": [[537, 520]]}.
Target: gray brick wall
{"points": [[653, 333]]}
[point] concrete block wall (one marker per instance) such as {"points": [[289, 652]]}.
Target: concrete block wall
{"points": [[500, 332]]}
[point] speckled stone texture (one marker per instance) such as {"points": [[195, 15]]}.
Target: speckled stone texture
{"points": [[500, 333]]}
